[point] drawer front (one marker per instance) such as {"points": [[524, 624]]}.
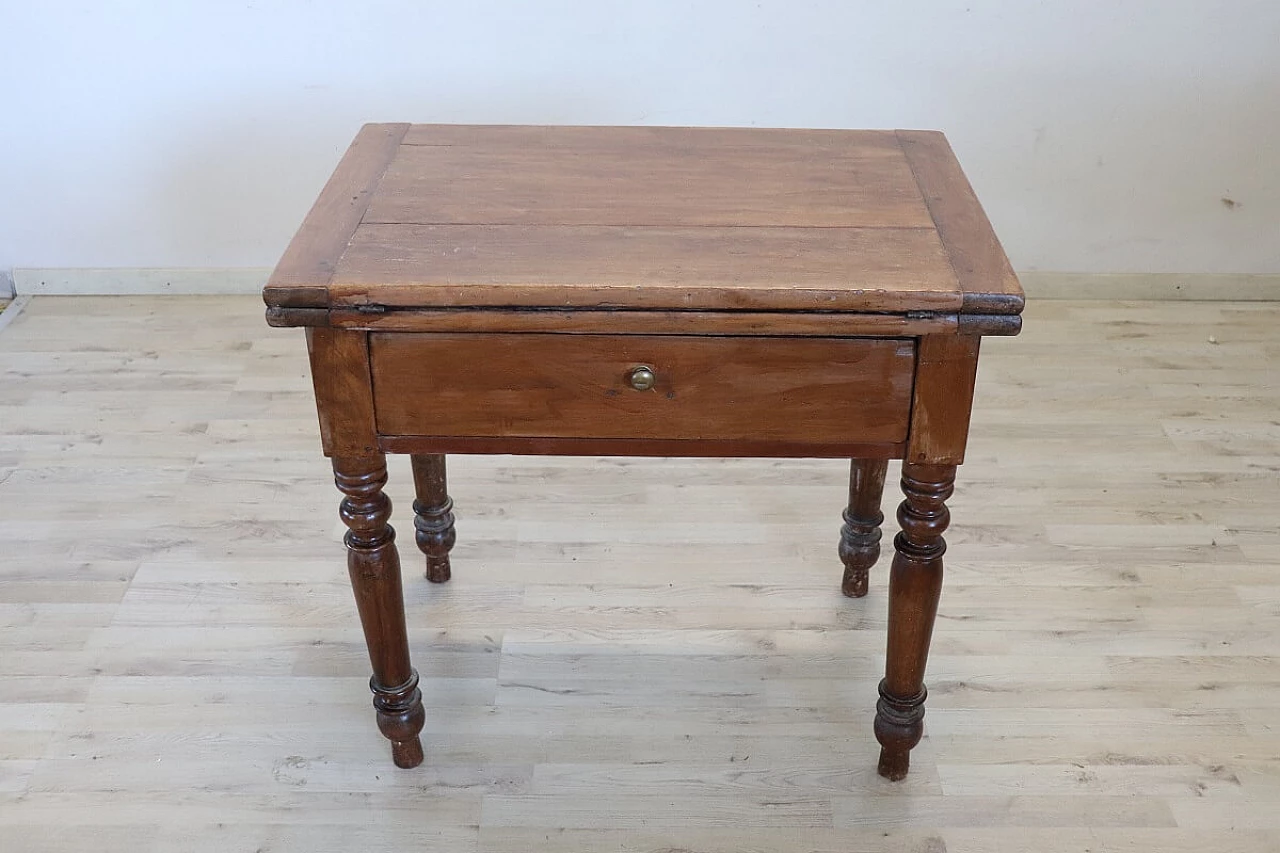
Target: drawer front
{"points": [[802, 390]]}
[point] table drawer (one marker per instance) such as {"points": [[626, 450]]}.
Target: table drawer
{"points": [[805, 390]]}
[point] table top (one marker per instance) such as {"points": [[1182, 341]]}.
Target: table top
{"points": [[645, 218]]}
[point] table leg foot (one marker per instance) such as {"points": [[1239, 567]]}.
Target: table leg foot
{"points": [[406, 754], [374, 566], [894, 764], [433, 515], [899, 727], [400, 719], [860, 535], [915, 584]]}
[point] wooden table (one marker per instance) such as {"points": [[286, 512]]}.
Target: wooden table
{"points": [[646, 291]]}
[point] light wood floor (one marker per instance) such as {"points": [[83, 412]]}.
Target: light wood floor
{"points": [[638, 655]]}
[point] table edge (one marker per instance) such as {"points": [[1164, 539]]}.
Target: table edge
{"points": [[301, 277], [505, 320], [987, 281]]}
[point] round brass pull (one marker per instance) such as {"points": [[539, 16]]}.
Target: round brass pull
{"points": [[642, 378]]}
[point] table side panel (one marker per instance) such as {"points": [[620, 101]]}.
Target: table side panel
{"points": [[344, 397], [800, 390], [946, 372]]}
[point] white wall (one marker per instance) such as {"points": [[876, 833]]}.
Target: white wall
{"points": [[1102, 135]]}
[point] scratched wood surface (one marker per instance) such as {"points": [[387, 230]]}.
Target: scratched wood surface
{"points": [[636, 654], [606, 217]]}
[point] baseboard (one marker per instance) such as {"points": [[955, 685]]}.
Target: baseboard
{"points": [[10, 312], [1221, 287], [1039, 285], [77, 281]]}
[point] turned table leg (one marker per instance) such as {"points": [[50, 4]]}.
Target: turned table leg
{"points": [[374, 566], [433, 514], [860, 535], [915, 582]]}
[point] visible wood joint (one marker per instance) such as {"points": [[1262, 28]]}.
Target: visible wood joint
{"points": [[989, 324], [291, 317], [992, 303]]}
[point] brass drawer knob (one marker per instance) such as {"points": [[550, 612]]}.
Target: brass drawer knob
{"points": [[642, 378]]}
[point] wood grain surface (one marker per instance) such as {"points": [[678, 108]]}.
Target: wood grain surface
{"points": [[650, 176], [981, 266], [590, 322], [650, 218], [668, 447], [340, 376], [799, 390], [639, 654], [301, 278], [838, 269], [946, 370]]}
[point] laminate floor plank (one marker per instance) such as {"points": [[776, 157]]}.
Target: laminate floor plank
{"points": [[636, 654]]}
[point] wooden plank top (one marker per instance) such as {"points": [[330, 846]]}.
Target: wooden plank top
{"points": [[646, 218]]}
